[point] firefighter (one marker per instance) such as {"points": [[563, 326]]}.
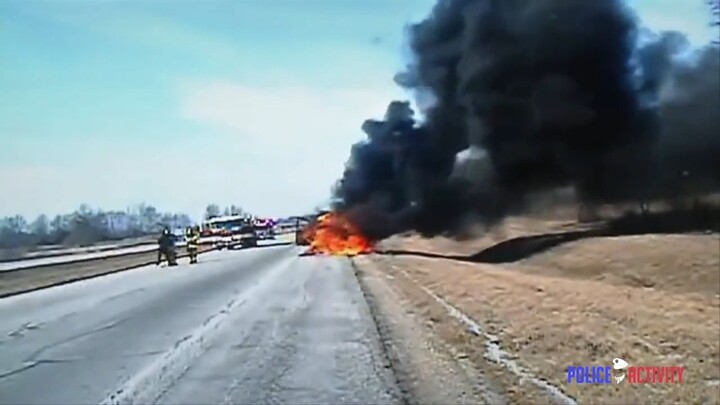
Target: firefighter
{"points": [[166, 247], [193, 238]]}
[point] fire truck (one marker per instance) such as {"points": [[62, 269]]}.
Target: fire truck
{"points": [[265, 228], [227, 232]]}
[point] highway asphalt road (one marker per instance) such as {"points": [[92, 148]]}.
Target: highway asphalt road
{"points": [[259, 325]]}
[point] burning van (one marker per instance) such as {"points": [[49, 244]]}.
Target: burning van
{"points": [[333, 233]]}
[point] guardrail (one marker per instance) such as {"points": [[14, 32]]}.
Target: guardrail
{"points": [[80, 260], [28, 279], [76, 251]]}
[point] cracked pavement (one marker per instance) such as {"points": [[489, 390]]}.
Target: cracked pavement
{"points": [[250, 326]]}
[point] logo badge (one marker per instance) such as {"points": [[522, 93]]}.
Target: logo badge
{"points": [[619, 364]]}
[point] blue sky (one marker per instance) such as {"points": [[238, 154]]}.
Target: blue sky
{"points": [[181, 103]]}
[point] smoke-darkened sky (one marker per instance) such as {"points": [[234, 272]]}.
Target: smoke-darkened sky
{"points": [[529, 97]]}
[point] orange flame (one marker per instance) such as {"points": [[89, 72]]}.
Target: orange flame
{"points": [[334, 234]]}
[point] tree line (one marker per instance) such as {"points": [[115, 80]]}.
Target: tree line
{"points": [[87, 225], [214, 210]]}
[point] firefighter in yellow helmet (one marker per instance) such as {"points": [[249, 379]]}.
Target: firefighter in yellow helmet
{"points": [[193, 242]]}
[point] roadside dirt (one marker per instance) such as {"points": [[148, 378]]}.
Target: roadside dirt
{"points": [[427, 369], [651, 299]]}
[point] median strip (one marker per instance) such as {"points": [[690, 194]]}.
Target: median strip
{"points": [[75, 258], [49, 275]]}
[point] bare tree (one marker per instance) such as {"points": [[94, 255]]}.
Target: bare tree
{"points": [[16, 224], [57, 223], [212, 210], [152, 218], [714, 7], [41, 226], [236, 210]]}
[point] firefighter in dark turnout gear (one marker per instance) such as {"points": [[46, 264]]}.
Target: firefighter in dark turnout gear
{"points": [[193, 242], [166, 247]]}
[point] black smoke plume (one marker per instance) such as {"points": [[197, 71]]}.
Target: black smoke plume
{"points": [[526, 96]]}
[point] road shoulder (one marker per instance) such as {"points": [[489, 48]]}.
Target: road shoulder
{"points": [[651, 299], [427, 368]]}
